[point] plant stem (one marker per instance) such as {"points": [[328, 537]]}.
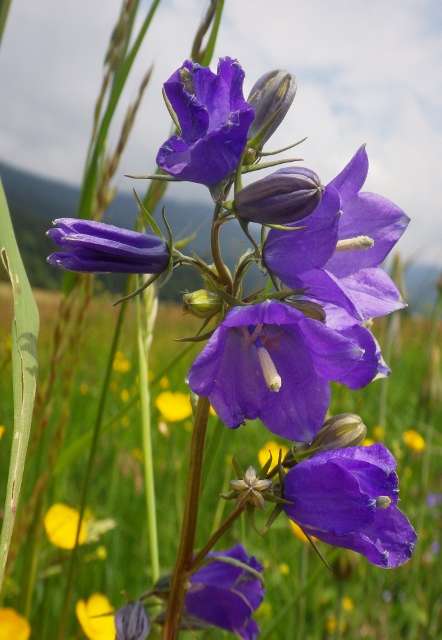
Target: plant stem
{"points": [[144, 332], [224, 526], [221, 268], [188, 526], [4, 10], [88, 475]]}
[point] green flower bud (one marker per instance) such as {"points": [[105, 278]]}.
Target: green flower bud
{"points": [[342, 430], [271, 97], [202, 303]]}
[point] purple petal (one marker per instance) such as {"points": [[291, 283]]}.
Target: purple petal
{"points": [[352, 177], [288, 253], [327, 497], [370, 215], [371, 364], [71, 227], [387, 542], [373, 293]]}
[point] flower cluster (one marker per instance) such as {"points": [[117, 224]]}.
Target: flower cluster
{"points": [[271, 354]]}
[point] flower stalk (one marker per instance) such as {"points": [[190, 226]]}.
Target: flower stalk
{"points": [[188, 528]]}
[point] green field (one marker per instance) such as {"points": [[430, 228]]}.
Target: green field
{"points": [[303, 598]]}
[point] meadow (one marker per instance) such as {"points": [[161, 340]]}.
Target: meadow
{"points": [[303, 598]]}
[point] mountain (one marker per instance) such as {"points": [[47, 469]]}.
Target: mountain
{"points": [[35, 201]]}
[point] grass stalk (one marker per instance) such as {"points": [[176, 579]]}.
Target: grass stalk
{"points": [[63, 624], [145, 324]]}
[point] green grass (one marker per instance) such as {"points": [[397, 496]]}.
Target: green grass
{"points": [[302, 597]]}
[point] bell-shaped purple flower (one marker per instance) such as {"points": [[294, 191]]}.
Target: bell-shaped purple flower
{"points": [[96, 247], [214, 119], [336, 257], [348, 498], [282, 197], [269, 361], [224, 595], [131, 622]]}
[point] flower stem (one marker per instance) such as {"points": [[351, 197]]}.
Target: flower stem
{"points": [[144, 334], [90, 463], [188, 526], [221, 268], [224, 526]]}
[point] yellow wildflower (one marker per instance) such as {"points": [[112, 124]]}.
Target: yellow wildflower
{"points": [[13, 625], [101, 552], [174, 406], [121, 364], [164, 382], [92, 617], [272, 448], [124, 395], [298, 532], [367, 442], [61, 524], [347, 604], [212, 412], [378, 432], [414, 440], [2, 431], [331, 624], [284, 569]]}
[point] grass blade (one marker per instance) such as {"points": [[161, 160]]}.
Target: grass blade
{"points": [[25, 326]]}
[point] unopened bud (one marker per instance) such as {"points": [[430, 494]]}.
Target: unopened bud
{"points": [[282, 197], [271, 97], [342, 430], [202, 303], [131, 622]]}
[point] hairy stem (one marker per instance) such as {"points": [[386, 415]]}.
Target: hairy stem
{"points": [[188, 526]]}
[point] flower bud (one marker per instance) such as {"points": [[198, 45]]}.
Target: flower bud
{"points": [[271, 98], [342, 430], [202, 303], [131, 622], [282, 197]]}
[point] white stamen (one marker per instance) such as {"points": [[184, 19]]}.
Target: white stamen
{"points": [[383, 502], [357, 243], [271, 375]]}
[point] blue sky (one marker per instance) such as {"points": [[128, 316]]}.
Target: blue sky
{"points": [[367, 72]]}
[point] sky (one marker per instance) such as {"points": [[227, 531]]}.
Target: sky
{"points": [[367, 72]]}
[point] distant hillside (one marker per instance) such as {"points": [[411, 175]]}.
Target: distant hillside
{"points": [[35, 201]]}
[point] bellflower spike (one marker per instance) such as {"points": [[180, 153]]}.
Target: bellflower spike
{"points": [[214, 120], [336, 257], [280, 198], [96, 247], [348, 498], [226, 596], [269, 361], [131, 622]]}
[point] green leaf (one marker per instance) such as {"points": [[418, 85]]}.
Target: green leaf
{"points": [[25, 326]]}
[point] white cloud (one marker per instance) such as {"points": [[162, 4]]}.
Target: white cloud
{"points": [[367, 72]]}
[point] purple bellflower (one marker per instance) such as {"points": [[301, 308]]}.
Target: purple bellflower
{"points": [[214, 120], [348, 498], [224, 595], [336, 257], [97, 247], [269, 361]]}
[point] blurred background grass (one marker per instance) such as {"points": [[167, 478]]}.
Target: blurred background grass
{"points": [[303, 599]]}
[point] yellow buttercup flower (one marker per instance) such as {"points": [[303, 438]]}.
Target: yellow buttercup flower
{"points": [[174, 406], [378, 432], [331, 624], [414, 440], [61, 524], [272, 448], [284, 569], [92, 617], [212, 412], [347, 604], [13, 625], [121, 364], [298, 532], [101, 552]]}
